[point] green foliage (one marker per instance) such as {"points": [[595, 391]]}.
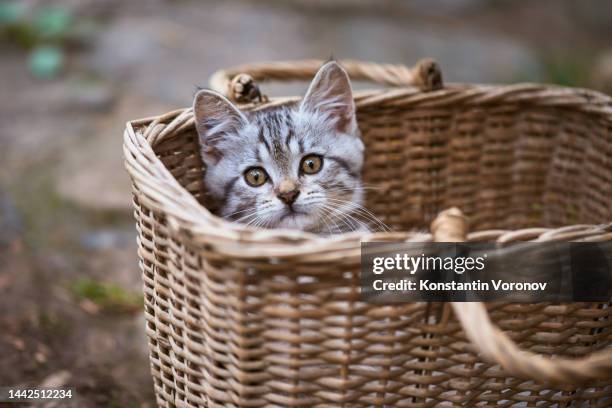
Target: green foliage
{"points": [[32, 27], [53, 323], [52, 23], [13, 23], [106, 295], [46, 31], [11, 13], [567, 70], [46, 61]]}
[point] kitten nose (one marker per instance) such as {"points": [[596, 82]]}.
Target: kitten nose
{"points": [[287, 191], [288, 197]]}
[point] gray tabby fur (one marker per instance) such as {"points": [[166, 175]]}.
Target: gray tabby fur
{"points": [[277, 139]]}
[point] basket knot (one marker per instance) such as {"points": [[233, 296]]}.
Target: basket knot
{"points": [[428, 75], [450, 226], [243, 89]]}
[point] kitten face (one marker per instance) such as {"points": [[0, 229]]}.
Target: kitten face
{"points": [[286, 167]]}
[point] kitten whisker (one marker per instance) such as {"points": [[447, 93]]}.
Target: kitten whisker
{"points": [[254, 212], [346, 218], [371, 186], [260, 220], [357, 188], [327, 213], [359, 209], [363, 211], [241, 211], [353, 204], [324, 218], [338, 215]]}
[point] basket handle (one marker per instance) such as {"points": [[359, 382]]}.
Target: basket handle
{"points": [[239, 83], [496, 347]]}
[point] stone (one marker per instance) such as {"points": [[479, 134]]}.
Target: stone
{"points": [[57, 379]]}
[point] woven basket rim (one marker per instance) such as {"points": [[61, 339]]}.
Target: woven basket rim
{"points": [[471, 95], [198, 226]]}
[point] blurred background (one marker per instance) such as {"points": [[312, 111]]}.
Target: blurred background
{"points": [[74, 71]]}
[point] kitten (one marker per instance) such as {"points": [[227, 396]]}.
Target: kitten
{"points": [[294, 166]]}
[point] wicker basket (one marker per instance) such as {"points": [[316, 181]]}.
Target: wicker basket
{"points": [[246, 317]]}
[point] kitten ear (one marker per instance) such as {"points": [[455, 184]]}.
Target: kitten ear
{"points": [[216, 118], [330, 94]]}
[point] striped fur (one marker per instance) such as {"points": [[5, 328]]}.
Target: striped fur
{"points": [[277, 139]]}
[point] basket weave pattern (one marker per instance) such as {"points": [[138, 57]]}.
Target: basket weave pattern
{"points": [[247, 318]]}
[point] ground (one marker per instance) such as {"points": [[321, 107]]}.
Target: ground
{"points": [[70, 288]]}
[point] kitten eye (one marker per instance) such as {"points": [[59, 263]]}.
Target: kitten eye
{"points": [[311, 164], [255, 176]]}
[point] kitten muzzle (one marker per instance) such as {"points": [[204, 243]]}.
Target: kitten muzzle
{"points": [[288, 197]]}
